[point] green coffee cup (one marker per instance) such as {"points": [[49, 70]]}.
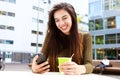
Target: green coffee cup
{"points": [[62, 60]]}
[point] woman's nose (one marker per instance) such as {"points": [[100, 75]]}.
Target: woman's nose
{"points": [[62, 23]]}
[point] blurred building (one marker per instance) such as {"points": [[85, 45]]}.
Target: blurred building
{"points": [[23, 26], [104, 25]]}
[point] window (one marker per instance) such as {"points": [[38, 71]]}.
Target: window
{"points": [[7, 13], [100, 53], [111, 4], [98, 24], [38, 9], [11, 14], [108, 4], [3, 12], [2, 41], [2, 26], [110, 39], [91, 25], [35, 32], [8, 55], [40, 21], [111, 53], [0, 12], [10, 27], [34, 44], [41, 33], [12, 1], [93, 40], [110, 23], [118, 38], [99, 39], [6, 27], [116, 4], [9, 41], [37, 20]]}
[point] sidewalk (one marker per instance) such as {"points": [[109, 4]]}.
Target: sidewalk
{"points": [[17, 67], [25, 67]]}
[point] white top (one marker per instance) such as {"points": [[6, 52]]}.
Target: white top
{"points": [[105, 61]]}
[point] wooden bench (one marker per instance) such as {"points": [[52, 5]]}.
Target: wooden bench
{"points": [[115, 69]]}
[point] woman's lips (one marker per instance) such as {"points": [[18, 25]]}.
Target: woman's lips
{"points": [[64, 28]]}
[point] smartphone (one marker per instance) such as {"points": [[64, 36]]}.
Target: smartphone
{"points": [[41, 58]]}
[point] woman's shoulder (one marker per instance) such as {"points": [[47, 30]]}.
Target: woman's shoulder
{"points": [[84, 33]]}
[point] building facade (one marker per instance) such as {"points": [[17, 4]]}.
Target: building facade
{"points": [[104, 25], [22, 28]]}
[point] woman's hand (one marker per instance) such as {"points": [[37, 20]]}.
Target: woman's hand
{"points": [[71, 68], [41, 68]]}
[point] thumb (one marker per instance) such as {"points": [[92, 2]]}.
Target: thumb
{"points": [[35, 58]]}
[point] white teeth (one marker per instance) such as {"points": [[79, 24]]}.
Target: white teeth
{"points": [[63, 28]]}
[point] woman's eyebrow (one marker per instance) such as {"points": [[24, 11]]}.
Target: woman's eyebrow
{"points": [[64, 16]]}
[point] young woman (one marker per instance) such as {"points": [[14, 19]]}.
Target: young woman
{"points": [[63, 40]]}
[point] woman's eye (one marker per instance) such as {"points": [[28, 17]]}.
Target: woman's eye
{"points": [[64, 18], [56, 20]]}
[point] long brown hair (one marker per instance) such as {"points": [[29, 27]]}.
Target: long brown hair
{"points": [[55, 38]]}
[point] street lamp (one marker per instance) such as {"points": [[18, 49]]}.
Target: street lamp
{"points": [[37, 36]]}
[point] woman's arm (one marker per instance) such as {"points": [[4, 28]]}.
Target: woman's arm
{"points": [[87, 52]]}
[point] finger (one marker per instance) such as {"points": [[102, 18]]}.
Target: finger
{"points": [[68, 63], [70, 71], [43, 64], [66, 67], [45, 67], [47, 70], [34, 64]]}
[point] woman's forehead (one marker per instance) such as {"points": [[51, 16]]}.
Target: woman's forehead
{"points": [[60, 13]]}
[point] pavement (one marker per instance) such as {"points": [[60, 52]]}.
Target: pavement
{"points": [[17, 67], [25, 67]]}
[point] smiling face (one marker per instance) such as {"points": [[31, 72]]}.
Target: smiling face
{"points": [[63, 21]]}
